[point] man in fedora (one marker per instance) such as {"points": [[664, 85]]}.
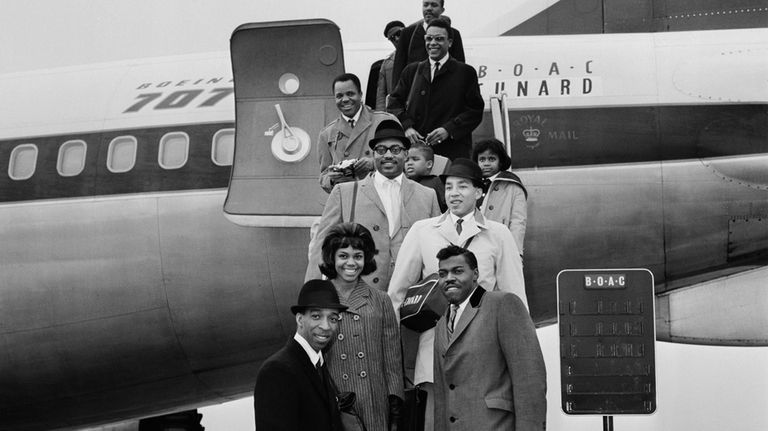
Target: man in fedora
{"points": [[499, 264], [385, 202], [293, 390]]}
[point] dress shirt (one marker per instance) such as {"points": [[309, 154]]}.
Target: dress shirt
{"points": [[389, 193], [442, 61], [462, 306], [315, 357], [355, 118]]}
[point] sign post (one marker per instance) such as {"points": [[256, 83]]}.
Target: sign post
{"points": [[607, 342]]}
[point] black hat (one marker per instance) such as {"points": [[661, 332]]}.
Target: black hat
{"points": [[389, 129], [318, 294], [391, 25], [464, 168]]}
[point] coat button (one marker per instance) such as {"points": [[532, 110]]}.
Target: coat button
{"points": [[363, 374], [360, 355], [344, 356], [452, 419], [356, 317], [345, 376], [341, 316], [496, 189], [375, 279], [346, 153], [451, 386], [367, 153], [423, 92], [490, 207], [341, 336], [376, 227]]}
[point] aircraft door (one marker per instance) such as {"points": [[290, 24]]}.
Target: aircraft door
{"points": [[282, 73]]}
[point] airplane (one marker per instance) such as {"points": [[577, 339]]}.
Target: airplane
{"points": [[143, 273]]}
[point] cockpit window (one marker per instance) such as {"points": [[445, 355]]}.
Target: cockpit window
{"points": [[121, 156], [23, 162], [71, 159]]}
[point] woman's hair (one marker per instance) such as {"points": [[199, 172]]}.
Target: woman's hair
{"points": [[496, 147], [345, 235]]}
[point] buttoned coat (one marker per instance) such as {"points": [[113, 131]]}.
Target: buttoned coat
{"points": [[289, 395], [498, 262], [506, 203], [450, 100], [490, 374], [412, 48], [418, 202], [338, 141], [366, 357]]}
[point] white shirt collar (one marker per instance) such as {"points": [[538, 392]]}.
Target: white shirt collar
{"points": [[380, 179], [314, 357], [441, 60], [466, 218], [356, 117], [462, 306]]}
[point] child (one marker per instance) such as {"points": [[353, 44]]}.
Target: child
{"points": [[504, 196], [418, 168]]}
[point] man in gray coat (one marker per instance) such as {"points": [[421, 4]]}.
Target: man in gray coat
{"points": [[489, 370]]}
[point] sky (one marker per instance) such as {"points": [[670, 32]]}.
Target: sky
{"points": [[699, 387]]}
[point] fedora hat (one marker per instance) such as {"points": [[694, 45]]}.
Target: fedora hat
{"points": [[464, 168], [317, 294], [389, 129]]}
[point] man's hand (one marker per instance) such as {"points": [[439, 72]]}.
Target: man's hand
{"points": [[363, 165], [414, 136], [437, 136]]}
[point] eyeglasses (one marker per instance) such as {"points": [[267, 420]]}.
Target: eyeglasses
{"points": [[381, 150], [394, 35], [437, 39]]}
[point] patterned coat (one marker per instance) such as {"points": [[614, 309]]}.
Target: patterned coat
{"points": [[506, 203], [419, 203], [490, 374], [366, 357]]}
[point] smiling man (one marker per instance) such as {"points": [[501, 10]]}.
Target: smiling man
{"points": [[499, 265], [438, 100], [385, 202], [293, 390], [508, 390], [345, 137]]}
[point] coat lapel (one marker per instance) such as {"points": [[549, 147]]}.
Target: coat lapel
{"points": [[363, 123], [469, 313], [369, 190]]}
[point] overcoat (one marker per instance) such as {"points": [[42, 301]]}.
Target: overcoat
{"points": [[411, 48], [450, 100], [289, 395], [489, 374], [385, 84], [418, 202], [339, 141], [366, 357], [498, 261], [506, 203]]}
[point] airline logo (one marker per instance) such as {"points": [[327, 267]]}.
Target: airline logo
{"points": [[546, 79], [197, 93]]}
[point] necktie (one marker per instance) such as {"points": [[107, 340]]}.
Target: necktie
{"points": [[458, 225], [434, 72], [394, 206], [452, 317], [320, 372], [351, 122]]}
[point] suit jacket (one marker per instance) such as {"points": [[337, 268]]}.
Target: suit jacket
{"points": [[419, 203], [411, 48], [337, 142], [490, 374], [451, 100], [385, 84], [498, 262], [505, 202], [289, 395]]}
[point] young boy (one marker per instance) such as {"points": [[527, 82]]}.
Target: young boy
{"points": [[504, 196], [418, 168]]}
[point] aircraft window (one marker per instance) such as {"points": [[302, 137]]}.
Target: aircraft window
{"points": [[223, 148], [174, 148], [122, 154], [71, 158], [23, 162]]}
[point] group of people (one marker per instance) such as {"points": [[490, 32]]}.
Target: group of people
{"points": [[389, 222]]}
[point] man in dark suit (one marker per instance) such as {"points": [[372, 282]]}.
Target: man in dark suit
{"points": [[293, 388], [386, 202], [438, 100], [410, 47], [489, 370]]}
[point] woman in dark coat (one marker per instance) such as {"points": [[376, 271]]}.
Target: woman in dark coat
{"points": [[366, 357]]}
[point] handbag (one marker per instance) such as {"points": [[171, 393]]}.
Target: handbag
{"points": [[424, 302], [350, 419]]}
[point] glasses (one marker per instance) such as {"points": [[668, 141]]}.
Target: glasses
{"points": [[381, 150], [395, 35], [437, 39]]}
